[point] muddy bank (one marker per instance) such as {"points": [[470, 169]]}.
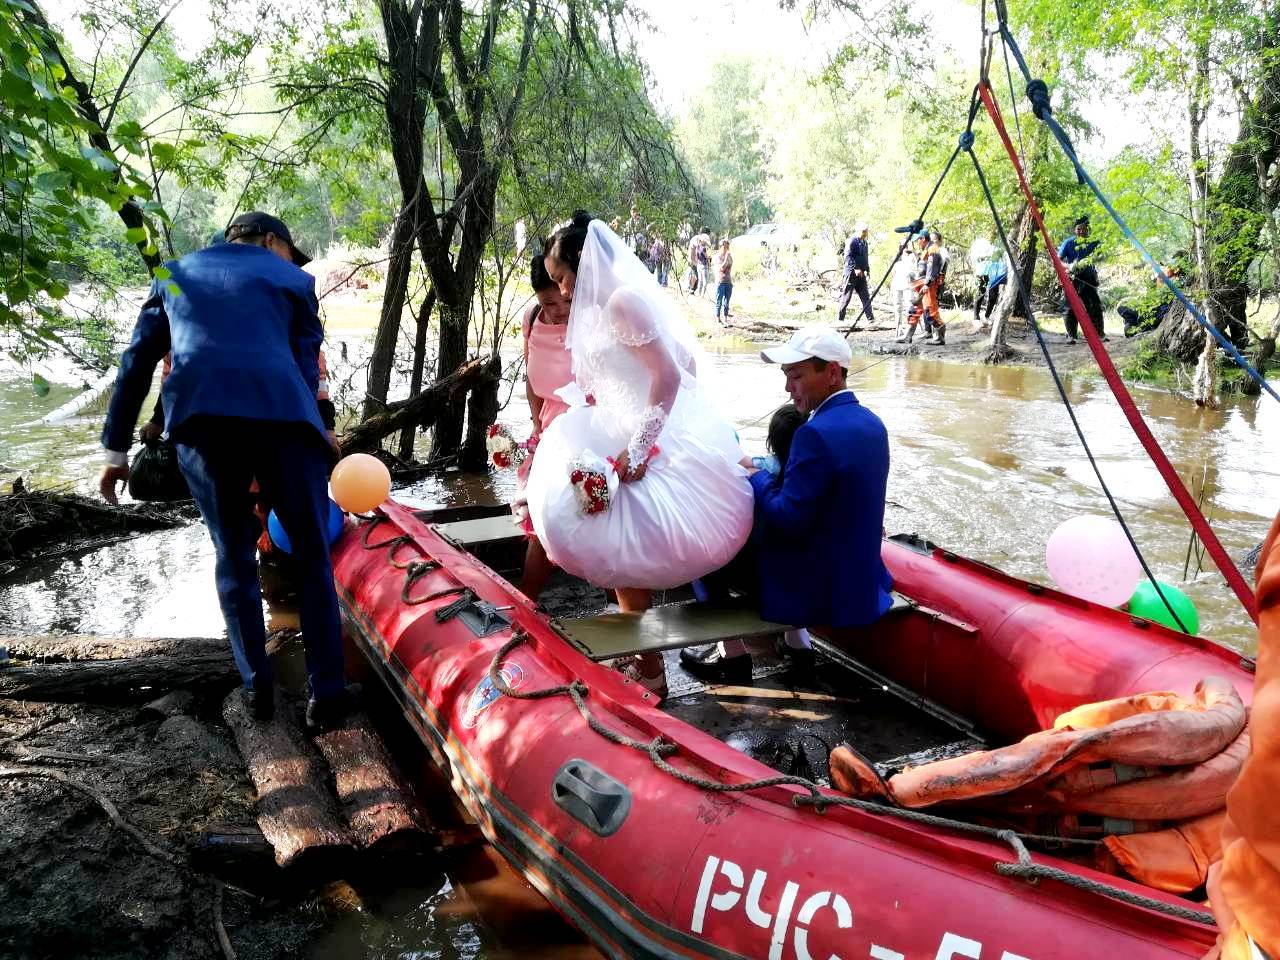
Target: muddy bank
{"points": [[78, 884]]}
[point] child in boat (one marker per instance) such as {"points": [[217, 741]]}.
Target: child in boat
{"points": [[784, 423]]}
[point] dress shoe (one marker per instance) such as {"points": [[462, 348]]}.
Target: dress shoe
{"points": [[325, 713], [799, 659], [262, 703], [710, 666]]}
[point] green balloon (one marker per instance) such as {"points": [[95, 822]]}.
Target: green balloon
{"points": [[1145, 602]]}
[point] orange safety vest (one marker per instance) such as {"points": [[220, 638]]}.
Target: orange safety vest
{"points": [[1244, 888]]}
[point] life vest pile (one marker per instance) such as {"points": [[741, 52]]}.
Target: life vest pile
{"points": [[1146, 774]]}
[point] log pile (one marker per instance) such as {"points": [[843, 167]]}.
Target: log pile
{"points": [[320, 803], [296, 811]]}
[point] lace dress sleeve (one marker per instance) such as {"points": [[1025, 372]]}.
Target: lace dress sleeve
{"points": [[630, 319]]}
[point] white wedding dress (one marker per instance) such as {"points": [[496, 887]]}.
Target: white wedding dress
{"points": [[692, 510]]}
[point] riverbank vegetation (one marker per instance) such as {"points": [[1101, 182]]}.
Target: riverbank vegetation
{"points": [[420, 150]]}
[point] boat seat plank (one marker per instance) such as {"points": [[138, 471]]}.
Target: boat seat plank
{"points": [[676, 625], [481, 531], [665, 628]]}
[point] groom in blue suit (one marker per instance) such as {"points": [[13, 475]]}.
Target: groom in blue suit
{"points": [[817, 532], [241, 319]]}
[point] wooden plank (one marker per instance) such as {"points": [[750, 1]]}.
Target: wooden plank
{"points": [[481, 531], [665, 628]]}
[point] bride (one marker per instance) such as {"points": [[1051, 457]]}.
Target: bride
{"points": [[679, 505]]}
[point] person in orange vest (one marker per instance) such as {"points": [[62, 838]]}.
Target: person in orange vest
{"points": [[1244, 886], [929, 277]]}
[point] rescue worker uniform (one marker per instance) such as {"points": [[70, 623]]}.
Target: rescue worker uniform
{"points": [[927, 284]]}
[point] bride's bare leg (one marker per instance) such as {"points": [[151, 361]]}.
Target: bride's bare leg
{"points": [[538, 569], [650, 669]]}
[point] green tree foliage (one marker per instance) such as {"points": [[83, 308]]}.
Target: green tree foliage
{"points": [[729, 139], [52, 169]]}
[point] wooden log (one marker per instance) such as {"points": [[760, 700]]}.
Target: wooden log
{"points": [[64, 647], [378, 804], [296, 810], [421, 410], [80, 669]]}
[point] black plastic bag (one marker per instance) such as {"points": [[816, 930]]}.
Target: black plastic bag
{"points": [[155, 474]]}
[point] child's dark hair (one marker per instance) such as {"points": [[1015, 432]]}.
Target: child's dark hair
{"points": [[566, 243], [784, 423], [538, 275]]}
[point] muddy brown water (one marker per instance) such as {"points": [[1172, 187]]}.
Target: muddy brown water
{"points": [[984, 461]]}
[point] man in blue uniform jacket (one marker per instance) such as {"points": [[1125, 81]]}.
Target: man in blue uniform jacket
{"points": [[241, 319], [817, 533]]}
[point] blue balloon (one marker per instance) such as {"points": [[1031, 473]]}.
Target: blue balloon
{"points": [[275, 529]]}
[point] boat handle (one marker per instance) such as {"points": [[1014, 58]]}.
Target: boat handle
{"points": [[591, 797]]}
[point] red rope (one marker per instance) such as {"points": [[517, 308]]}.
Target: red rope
{"points": [[1109, 373]]}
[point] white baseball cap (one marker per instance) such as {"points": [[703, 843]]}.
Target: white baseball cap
{"points": [[818, 342]]}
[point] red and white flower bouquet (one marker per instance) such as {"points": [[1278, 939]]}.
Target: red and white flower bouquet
{"points": [[504, 451], [590, 484]]}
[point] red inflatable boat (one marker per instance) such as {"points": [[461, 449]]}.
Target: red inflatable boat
{"points": [[638, 852]]}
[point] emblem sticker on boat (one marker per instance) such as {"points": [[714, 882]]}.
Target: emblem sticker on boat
{"points": [[486, 694]]}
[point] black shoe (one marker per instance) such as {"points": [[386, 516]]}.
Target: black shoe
{"points": [[799, 659], [262, 703], [325, 713], [709, 666]]}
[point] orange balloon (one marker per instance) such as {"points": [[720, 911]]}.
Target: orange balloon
{"points": [[360, 482]]}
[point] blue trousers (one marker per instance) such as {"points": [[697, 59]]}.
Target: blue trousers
{"points": [[723, 292], [220, 457]]}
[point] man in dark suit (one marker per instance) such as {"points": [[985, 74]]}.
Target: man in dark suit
{"points": [[817, 533], [241, 319], [857, 267]]}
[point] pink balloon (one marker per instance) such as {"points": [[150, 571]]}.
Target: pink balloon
{"points": [[1091, 558]]}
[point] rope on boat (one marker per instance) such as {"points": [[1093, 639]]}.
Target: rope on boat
{"points": [[659, 749]]}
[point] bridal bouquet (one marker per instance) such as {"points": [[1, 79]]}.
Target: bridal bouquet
{"points": [[590, 486], [502, 447]]}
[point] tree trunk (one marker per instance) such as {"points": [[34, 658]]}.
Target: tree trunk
{"points": [[1206, 378], [421, 411], [447, 437], [1180, 334], [1238, 204], [409, 433], [482, 410], [296, 811], [80, 669], [382, 359], [1025, 239]]}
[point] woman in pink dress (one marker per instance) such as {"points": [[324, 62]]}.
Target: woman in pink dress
{"points": [[548, 367]]}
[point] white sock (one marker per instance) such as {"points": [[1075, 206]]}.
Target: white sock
{"points": [[797, 639], [733, 648]]}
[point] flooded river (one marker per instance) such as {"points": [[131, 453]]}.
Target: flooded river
{"points": [[984, 461]]}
